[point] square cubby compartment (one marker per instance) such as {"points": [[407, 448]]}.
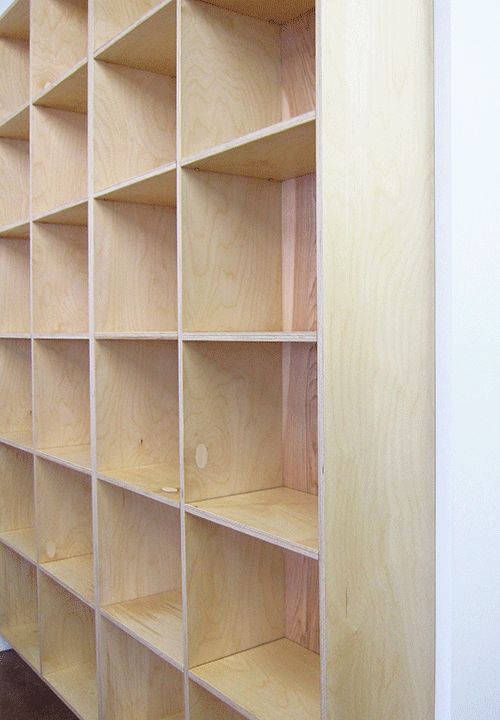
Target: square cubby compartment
{"points": [[62, 427], [60, 279], [64, 503], [253, 631], [15, 391], [17, 506], [15, 285], [137, 684], [203, 705], [135, 269], [137, 415], [241, 73], [68, 647], [14, 182], [14, 60], [251, 438], [249, 253], [140, 569], [18, 605]]}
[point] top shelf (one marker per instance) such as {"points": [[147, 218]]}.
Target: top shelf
{"points": [[15, 21]]}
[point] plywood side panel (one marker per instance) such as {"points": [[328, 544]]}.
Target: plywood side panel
{"points": [[376, 202], [17, 508], [15, 386], [203, 705], [302, 601], [17, 590], [14, 88], [14, 285], [298, 60], [113, 16], [14, 181]]}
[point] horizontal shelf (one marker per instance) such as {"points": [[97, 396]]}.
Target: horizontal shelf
{"points": [[76, 574], [14, 336], [148, 480], [157, 187], [155, 620], [21, 541], [68, 92], [15, 21], [282, 337], [21, 231], [149, 44], [173, 335], [76, 686], [73, 456], [276, 10], [74, 213], [21, 439], [276, 681], [279, 152], [24, 640], [17, 125], [281, 516]]}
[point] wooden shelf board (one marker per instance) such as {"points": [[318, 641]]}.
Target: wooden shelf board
{"points": [[77, 687], [21, 439], [15, 336], [155, 620], [24, 640], [147, 480], [148, 44], [15, 21], [68, 92], [17, 125], [19, 230], [76, 213], [156, 187], [76, 574], [276, 10], [281, 516], [276, 681], [21, 541], [168, 335], [282, 337], [281, 151], [73, 456]]}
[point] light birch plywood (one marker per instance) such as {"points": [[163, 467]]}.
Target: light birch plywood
{"points": [[302, 623], [112, 17], [76, 686], [15, 388], [58, 40], [276, 10], [76, 574], [202, 705], [16, 231], [136, 682], [68, 92], [14, 182], [298, 66], [15, 21], [135, 268], [14, 64], [17, 125], [376, 214], [14, 285], [157, 187], [17, 509], [71, 214], [57, 136], [134, 123], [159, 481], [60, 279], [22, 541]]}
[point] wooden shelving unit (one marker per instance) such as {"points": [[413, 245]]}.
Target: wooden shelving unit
{"points": [[216, 410]]}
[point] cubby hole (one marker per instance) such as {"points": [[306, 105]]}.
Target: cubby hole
{"points": [[15, 285], [60, 279], [17, 508], [14, 59], [114, 17], [250, 453], [135, 268], [69, 93], [203, 705], [18, 605], [241, 74], [17, 126], [15, 392], [249, 253], [64, 512], [140, 569], [62, 422], [58, 40], [14, 182], [137, 416], [253, 632], [68, 648], [56, 181], [137, 684]]}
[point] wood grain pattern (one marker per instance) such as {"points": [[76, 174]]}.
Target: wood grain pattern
{"points": [[136, 403], [231, 253], [203, 705], [15, 387], [76, 686], [14, 181], [72, 214], [111, 17], [58, 39], [14, 88], [68, 92], [76, 457], [17, 125], [232, 415], [74, 573], [274, 681], [235, 591], [60, 279], [22, 541], [276, 10], [377, 259], [231, 73], [157, 187], [14, 285], [15, 21], [17, 509], [61, 393], [298, 66], [147, 480], [135, 268], [136, 682], [139, 545], [302, 624], [134, 123], [57, 135]]}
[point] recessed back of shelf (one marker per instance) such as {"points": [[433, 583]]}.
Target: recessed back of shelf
{"points": [[15, 394], [15, 285], [17, 509], [14, 181], [14, 75]]}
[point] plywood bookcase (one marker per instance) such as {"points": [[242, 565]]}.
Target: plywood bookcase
{"points": [[216, 356]]}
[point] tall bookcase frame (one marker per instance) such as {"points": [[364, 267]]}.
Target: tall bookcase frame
{"points": [[216, 356]]}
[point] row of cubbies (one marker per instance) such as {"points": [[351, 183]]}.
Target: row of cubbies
{"points": [[170, 305]]}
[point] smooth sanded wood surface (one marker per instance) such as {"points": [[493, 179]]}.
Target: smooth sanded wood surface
{"points": [[15, 21], [22, 541], [68, 92], [14, 182], [112, 17], [15, 384], [69, 214], [203, 704], [14, 89], [156, 187], [159, 481], [75, 574], [16, 125], [15, 286], [77, 686], [276, 10], [17, 509]]}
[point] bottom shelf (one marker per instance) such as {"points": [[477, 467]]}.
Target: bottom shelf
{"points": [[276, 681], [76, 574], [24, 640], [77, 687], [156, 620], [22, 541]]}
